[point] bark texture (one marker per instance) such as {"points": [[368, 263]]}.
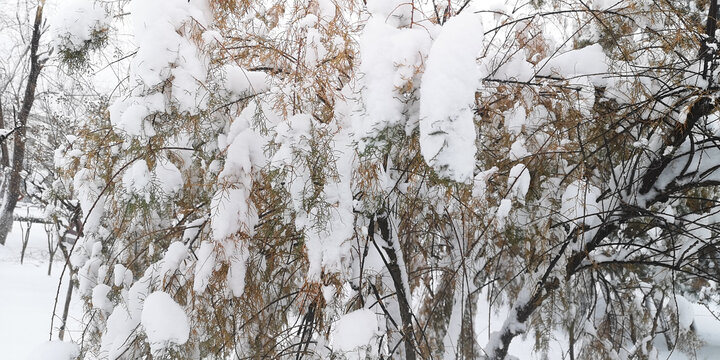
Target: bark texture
{"points": [[14, 182]]}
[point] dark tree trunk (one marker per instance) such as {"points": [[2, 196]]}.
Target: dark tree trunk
{"points": [[393, 267], [4, 156], [66, 308], [25, 233], [13, 189]]}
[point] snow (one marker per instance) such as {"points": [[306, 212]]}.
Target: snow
{"points": [[518, 150], [454, 327], [579, 203], [238, 267], [503, 211], [690, 164], [168, 176], [232, 209], [87, 191], [315, 51], [516, 68], [119, 326], [293, 136], [589, 61], [685, 312], [137, 177], [325, 240], [164, 321], [130, 115], [327, 9], [74, 23], [55, 350], [510, 324], [27, 299], [354, 330], [447, 99], [480, 183], [310, 20], [175, 254], [490, 317], [164, 51], [605, 4], [100, 299], [204, 266], [120, 275], [405, 75], [244, 82], [389, 58], [88, 272], [705, 325], [519, 182], [396, 12], [155, 25], [232, 212], [494, 5]]}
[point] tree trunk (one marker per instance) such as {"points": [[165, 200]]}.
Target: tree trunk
{"points": [[52, 245], [25, 240], [395, 271], [4, 156], [14, 182], [66, 308]]}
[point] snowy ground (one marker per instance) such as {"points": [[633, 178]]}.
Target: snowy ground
{"points": [[27, 295]]}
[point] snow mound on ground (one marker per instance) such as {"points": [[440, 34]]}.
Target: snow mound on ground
{"points": [[55, 350], [164, 321], [354, 330]]}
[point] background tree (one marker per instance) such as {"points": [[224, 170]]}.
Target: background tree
{"points": [[12, 184]]}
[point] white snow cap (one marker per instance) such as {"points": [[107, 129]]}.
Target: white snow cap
{"points": [[168, 177], [244, 82], [164, 321], [100, 299], [503, 211], [74, 23], [232, 210], [395, 12], [519, 182], [354, 330], [447, 97], [589, 61], [137, 177], [389, 59], [175, 254], [579, 203], [204, 266]]}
